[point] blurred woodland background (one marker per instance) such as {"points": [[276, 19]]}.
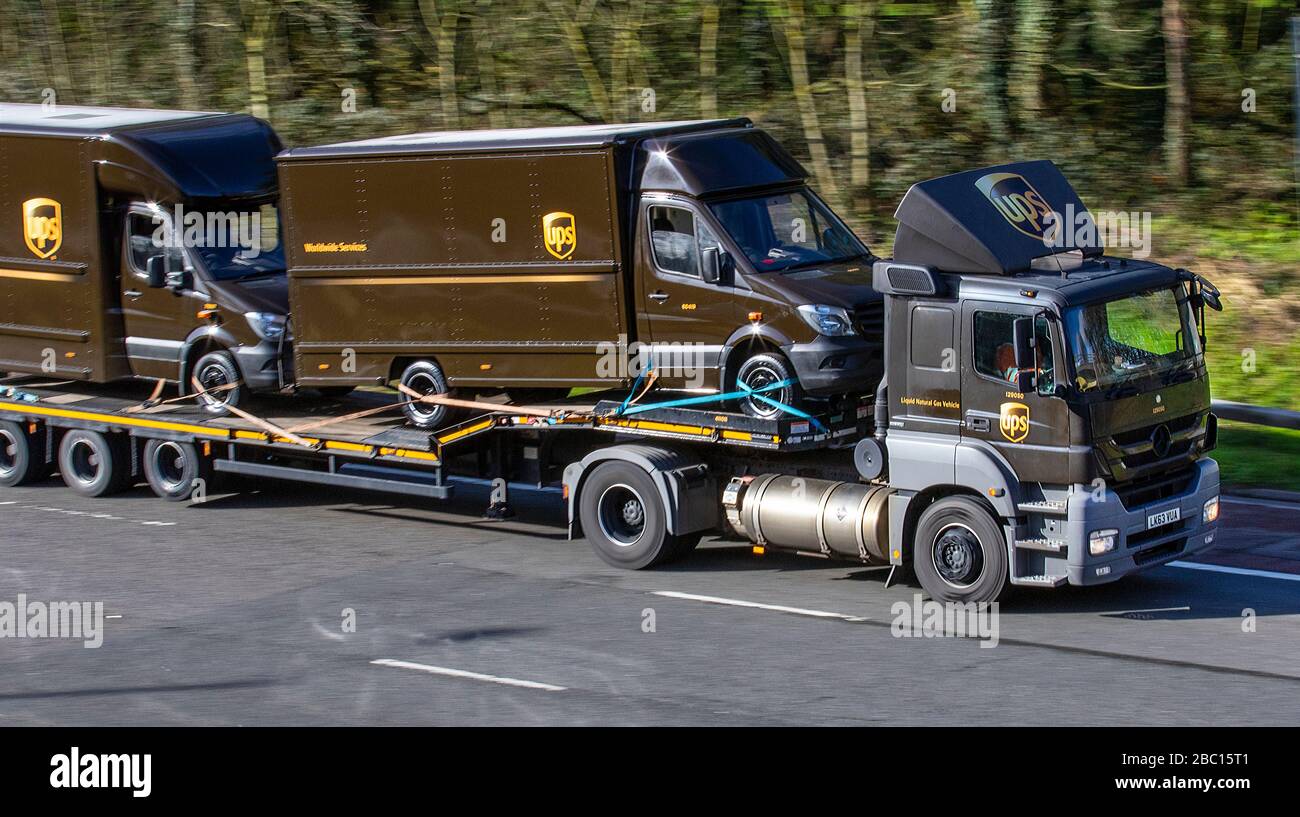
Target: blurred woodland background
{"points": [[1181, 108]]}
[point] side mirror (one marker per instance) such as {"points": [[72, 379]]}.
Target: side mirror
{"points": [[711, 264], [1212, 300], [1023, 333], [156, 271]]}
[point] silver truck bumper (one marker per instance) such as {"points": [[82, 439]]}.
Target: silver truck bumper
{"points": [[1137, 547]]}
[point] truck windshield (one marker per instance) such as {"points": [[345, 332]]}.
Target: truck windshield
{"points": [[780, 231], [1148, 334], [244, 243]]}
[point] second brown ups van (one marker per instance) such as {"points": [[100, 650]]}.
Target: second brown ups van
{"points": [[532, 261], [123, 249]]}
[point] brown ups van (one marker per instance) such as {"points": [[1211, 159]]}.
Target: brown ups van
{"points": [[98, 284], [535, 260]]}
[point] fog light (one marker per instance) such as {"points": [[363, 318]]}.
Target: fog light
{"points": [[1102, 541], [1210, 513]]}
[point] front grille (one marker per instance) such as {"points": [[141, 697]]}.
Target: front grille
{"points": [[1142, 537], [1160, 551], [870, 319], [1138, 435], [1145, 490]]}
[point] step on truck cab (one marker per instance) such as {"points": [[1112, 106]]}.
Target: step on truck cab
{"points": [[140, 244], [533, 261], [1038, 393]]}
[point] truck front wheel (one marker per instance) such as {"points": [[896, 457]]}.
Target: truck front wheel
{"points": [[624, 517], [959, 553], [22, 455]]}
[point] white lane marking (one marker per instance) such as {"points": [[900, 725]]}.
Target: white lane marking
{"points": [[1262, 503], [778, 608], [473, 676], [108, 516], [1237, 571]]}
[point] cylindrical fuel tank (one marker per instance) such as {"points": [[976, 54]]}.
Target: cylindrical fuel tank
{"points": [[844, 519]]}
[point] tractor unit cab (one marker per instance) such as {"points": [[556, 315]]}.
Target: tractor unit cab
{"points": [[1067, 390]]}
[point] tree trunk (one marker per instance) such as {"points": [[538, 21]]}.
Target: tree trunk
{"points": [[59, 69], [577, 42], [257, 26], [182, 30], [1033, 40], [797, 54], [442, 27], [485, 51], [993, 43], [1177, 110], [709, 59], [857, 16]]}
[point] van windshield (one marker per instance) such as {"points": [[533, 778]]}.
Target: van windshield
{"points": [[1150, 333], [238, 243], [781, 231]]}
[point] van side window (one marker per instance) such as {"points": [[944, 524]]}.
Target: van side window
{"points": [[140, 239], [672, 237]]}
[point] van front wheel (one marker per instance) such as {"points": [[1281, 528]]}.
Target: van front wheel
{"points": [[218, 374], [760, 373], [425, 377]]}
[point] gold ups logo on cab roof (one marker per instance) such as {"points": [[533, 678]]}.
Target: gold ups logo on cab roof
{"points": [[560, 233], [1014, 421], [1019, 203], [43, 226]]}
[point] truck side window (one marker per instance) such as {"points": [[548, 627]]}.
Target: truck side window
{"points": [[995, 350], [672, 236], [931, 342]]}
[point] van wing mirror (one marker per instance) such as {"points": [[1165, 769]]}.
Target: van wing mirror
{"points": [[711, 264], [156, 271]]}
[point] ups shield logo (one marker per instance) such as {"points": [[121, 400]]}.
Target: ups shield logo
{"points": [[1014, 421], [1019, 203], [560, 233], [43, 226]]}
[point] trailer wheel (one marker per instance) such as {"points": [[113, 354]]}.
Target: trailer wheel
{"points": [[960, 553], [213, 371], [763, 370], [22, 455], [172, 468], [93, 464], [425, 377], [624, 518]]}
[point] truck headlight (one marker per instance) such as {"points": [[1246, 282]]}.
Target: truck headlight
{"points": [[1102, 541], [1210, 513], [831, 321], [266, 325]]}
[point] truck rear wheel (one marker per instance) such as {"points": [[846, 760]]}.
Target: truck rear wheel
{"points": [[22, 455], [959, 553], [215, 371], [172, 468], [624, 518], [94, 464], [761, 371], [425, 377]]}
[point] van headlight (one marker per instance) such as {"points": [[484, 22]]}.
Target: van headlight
{"points": [[266, 325], [1102, 541], [1210, 513], [831, 321]]}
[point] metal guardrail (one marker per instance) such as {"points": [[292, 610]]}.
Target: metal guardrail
{"points": [[1258, 415]]}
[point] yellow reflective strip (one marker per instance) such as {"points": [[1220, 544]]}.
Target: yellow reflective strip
{"points": [[113, 419], [414, 455], [456, 435], [744, 436], [344, 446]]}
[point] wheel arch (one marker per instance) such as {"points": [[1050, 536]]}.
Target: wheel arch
{"points": [[681, 479]]}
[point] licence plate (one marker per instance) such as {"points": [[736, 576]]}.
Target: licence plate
{"points": [[1155, 520]]}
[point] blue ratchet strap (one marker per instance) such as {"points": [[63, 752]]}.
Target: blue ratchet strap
{"points": [[744, 391], [758, 395], [636, 385]]}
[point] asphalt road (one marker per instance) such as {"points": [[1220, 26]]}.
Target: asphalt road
{"points": [[232, 612]]}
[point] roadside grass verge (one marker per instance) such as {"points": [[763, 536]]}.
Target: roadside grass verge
{"points": [[1253, 456]]}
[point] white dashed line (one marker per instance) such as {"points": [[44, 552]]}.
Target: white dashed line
{"points": [[1238, 571], [473, 676], [1262, 503], [106, 516], [777, 608]]}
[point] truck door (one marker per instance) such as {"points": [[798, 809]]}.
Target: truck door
{"points": [[157, 320], [688, 318], [1029, 429]]}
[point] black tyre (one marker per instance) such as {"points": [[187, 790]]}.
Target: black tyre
{"points": [[94, 464], [214, 371], [22, 455], [624, 519], [425, 377], [174, 469], [763, 370], [960, 552]]}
